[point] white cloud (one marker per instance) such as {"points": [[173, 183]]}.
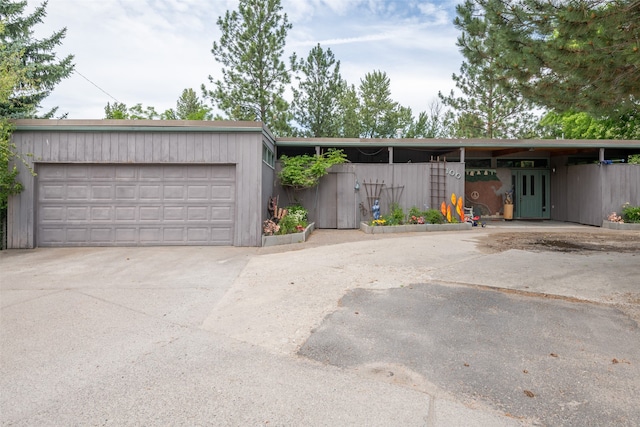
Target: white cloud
{"points": [[148, 51]]}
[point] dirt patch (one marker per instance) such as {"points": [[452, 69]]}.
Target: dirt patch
{"points": [[562, 242]]}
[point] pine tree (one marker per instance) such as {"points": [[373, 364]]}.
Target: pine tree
{"points": [[488, 106], [254, 75], [189, 107], [349, 125], [574, 55], [430, 124], [316, 101], [117, 111], [13, 75], [378, 112], [38, 59]]}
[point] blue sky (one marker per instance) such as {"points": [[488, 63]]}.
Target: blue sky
{"points": [[148, 51]]}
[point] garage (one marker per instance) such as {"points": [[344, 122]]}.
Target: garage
{"points": [[136, 205]]}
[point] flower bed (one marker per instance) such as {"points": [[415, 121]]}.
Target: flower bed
{"points": [[286, 239], [620, 225], [375, 229], [628, 220]]}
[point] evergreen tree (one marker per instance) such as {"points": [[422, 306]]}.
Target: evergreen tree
{"points": [[316, 101], [488, 107], [254, 75], [117, 111], [190, 107], [430, 124], [13, 75], [38, 59], [349, 125], [574, 55], [378, 112]]}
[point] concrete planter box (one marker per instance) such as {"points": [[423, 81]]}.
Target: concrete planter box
{"points": [[409, 228], [286, 239], [621, 226]]}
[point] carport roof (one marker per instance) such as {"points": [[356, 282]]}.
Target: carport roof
{"points": [[471, 144], [237, 126]]}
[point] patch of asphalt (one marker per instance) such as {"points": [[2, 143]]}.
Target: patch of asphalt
{"points": [[544, 361]]}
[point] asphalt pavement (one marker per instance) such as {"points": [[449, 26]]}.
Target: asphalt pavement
{"points": [[345, 329]]}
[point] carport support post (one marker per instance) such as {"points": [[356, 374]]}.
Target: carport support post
{"points": [[317, 150], [462, 152], [390, 155], [601, 157]]}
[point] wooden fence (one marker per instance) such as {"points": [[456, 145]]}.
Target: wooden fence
{"points": [[587, 194], [344, 197]]}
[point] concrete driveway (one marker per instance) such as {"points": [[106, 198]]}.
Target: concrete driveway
{"points": [[221, 336]]}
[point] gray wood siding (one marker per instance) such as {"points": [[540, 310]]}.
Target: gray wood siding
{"points": [[266, 184], [336, 204], [620, 185], [587, 194], [243, 149]]}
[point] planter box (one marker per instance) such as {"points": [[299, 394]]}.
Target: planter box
{"points": [[370, 229], [621, 225], [286, 239]]}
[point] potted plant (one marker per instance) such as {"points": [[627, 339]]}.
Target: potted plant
{"points": [[508, 206]]}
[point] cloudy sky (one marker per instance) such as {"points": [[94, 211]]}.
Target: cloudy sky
{"points": [[148, 51]]}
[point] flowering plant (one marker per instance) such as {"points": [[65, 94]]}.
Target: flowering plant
{"points": [[380, 221], [413, 219], [614, 217], [270, 228], [292, 219]]}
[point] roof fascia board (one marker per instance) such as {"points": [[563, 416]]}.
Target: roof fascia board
{"points": [[139, 126], [458, 143]]}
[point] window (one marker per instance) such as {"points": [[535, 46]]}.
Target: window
{"points": [[533, 193], [478, 163], [520, 163], [267, 156]]}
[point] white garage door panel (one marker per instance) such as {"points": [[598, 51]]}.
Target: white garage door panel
{"points": [[111, 205]]}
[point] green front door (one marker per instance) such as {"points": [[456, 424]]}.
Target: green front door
{"points": [[531, 193]]}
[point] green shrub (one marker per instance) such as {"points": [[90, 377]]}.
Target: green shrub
{"points": [[305, 171], [430, 216], [294, 221], [287, 225], [396, 216], [631, 213], [433, 216], [298, 212], [414, 211]]}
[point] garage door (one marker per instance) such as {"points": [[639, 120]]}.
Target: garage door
{"points": [[135, 205]]}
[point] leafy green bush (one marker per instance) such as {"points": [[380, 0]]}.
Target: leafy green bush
{"points": [[300, 172], [631, 213], [430, 216], [396, 216], [414, 211], [298, 212], [295, 221], [433, 216]]}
